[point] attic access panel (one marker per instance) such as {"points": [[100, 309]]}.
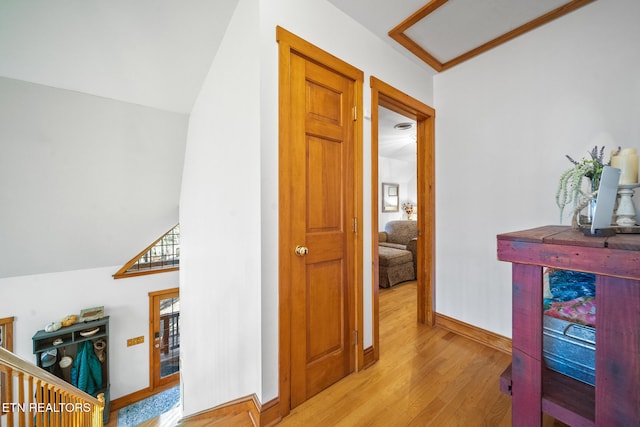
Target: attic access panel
{"points": [[445, 33]]}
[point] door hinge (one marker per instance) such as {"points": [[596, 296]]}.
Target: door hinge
{"points": [[355, 225], [355, 337], [355, 113]]}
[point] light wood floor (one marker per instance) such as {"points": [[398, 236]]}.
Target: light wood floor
{"points": [[425, 377]]}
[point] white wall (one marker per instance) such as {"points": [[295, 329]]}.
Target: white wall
{"points": [[39, 299], [397, 172], [85, 181], [220, 226], [505, 121]]}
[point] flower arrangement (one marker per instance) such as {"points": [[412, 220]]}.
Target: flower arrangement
{"points": [[570, 185], [409, 209]]}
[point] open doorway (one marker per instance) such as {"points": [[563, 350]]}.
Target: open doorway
{"points": [[423, 116], [397, 166]]}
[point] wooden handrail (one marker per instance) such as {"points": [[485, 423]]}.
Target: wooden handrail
{"points": [[47, 400]]}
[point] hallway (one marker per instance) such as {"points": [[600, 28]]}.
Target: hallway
{"points": [[425, 377]]}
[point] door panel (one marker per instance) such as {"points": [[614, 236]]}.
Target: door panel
{"points": [[324, 164], [324, 103], [324, 288], [322, 196]]}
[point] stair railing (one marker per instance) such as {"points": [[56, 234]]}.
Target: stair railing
{"points": [[34, 397]]}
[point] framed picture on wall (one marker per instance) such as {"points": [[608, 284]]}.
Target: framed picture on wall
{"points": [[390, 197]]}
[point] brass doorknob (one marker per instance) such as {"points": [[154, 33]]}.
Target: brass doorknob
{"points": [[301, 250]]}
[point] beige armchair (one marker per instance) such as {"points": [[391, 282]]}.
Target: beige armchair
{"points": [[397, 257]]}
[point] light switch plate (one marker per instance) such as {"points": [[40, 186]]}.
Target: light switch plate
{"points": [[134, 341]]}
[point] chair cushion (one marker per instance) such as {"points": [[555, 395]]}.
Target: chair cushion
{"points": [[389, 256], [393, 245]]}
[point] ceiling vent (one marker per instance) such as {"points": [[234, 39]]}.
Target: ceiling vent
{"points": [[403, 126]]}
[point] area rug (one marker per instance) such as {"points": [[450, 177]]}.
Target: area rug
{"points": [[148, 408]]}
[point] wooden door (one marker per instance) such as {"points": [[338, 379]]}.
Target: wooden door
{"points": [[319, 202], [164, 310]]}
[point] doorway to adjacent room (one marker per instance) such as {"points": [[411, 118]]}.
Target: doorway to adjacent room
{"points": [[390, 98]]}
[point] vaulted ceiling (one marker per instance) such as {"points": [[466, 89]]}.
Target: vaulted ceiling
{"points": [[156, 53], [89, 181]]}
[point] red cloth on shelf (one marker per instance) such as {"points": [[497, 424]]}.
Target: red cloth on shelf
{"points": [[581, 310]]}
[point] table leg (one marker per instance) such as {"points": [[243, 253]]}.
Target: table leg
{"points": [[527, 345], [617, 372]]}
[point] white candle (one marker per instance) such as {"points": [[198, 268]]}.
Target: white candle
{"points": [[627, 161]]}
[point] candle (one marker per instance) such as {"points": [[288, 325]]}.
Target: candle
{"points": [[627, 161]]}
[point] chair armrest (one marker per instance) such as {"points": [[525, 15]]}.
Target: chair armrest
{"points": [[412, 246], [382, 236]]}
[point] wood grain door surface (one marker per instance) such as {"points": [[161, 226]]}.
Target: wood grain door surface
{"points": [[322, 150], [164, 312]]}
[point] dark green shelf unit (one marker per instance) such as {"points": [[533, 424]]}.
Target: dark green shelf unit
{"points": [[44, 341]]}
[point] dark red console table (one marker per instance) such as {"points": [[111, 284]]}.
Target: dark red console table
{"points": [[615, 399]]}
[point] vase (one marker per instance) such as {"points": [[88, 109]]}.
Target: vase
{"points": [[586, 215]]}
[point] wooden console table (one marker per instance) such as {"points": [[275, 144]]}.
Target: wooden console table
{"points": [[615, 399]]}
